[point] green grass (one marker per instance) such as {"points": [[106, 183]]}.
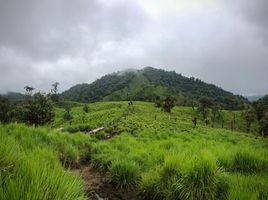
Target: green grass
{"points": [[157, 155], [176, 160], [30, 165], [124, 174]]}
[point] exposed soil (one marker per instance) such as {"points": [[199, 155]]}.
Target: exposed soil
{"points": [[98, 188]]}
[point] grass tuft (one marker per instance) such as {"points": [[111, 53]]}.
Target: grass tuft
{"points": [[247, 162], [124, 174]]}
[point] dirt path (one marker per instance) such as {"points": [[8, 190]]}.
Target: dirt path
{"points": [[98, 188]]}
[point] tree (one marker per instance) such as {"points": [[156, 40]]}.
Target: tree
{"points": [[157, 101], [29, 90], [36, 111], [54, 92], [5, 107], [203, 106], [264, 125], [168, 104], [261, 107], [85, 108], [194, 120], [216, 115], [249, 116]]}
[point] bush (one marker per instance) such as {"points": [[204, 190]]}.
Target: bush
{"points": [[67, 115], [78, 127], [85, 108], [37, 110], [100, 135], [124, 174]]}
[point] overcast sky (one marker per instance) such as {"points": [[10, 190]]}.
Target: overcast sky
{"points": [[75, 41]]}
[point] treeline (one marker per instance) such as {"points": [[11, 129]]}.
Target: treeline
{"points": [[98, 89], [261, 112], [211, 113], [33, 109]]}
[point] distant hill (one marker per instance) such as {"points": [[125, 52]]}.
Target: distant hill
{"points": [[14, 96], [253, 98], [149, 84]]}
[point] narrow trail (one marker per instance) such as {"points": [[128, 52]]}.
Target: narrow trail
{"points": [[98, 188]]}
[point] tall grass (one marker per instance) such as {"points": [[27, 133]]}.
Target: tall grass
{"points": [[30, 167], [41, 178], [166, 158], [244, 161], [124, 174]]}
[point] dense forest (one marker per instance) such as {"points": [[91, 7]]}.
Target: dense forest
{"points": [[150, 84]]}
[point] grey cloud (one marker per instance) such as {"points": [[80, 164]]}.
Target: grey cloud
{"points": [[78, 41], [49, 29]]}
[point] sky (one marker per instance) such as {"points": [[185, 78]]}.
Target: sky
{"points": [[223, 42]]}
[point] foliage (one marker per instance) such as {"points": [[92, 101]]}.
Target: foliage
{"points": [[5, 107], [54, 92], [204, 105], [264, 124], [29, 90], [249, 115], [168, 104], [261, 107], [36, 110], [85, 108], [67, 115], [146, 84], [14, 96]]}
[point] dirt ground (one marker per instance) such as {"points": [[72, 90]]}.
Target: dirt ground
{"points": [[98, 188]]}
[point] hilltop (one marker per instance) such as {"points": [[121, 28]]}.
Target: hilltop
{"points": [[150, 84]]}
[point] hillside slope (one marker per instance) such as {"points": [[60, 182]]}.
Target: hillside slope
{"points": [[155, 154], [147, 85], [163, 156]]}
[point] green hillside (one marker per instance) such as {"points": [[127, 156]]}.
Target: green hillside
{"points": [[150, 153], [149, 84]]}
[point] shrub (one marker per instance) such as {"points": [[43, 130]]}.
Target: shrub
{"points": [[37, 110], [100, 135], [124, 174], [78, 127], [85, 108]]}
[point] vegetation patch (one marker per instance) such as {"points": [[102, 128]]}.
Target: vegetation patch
{"points": [[124, 174]]}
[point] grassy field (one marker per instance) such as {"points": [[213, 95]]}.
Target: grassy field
{"points": [[155, 154]]}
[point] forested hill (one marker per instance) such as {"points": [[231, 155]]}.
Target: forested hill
{"points": [[150, 84]]}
